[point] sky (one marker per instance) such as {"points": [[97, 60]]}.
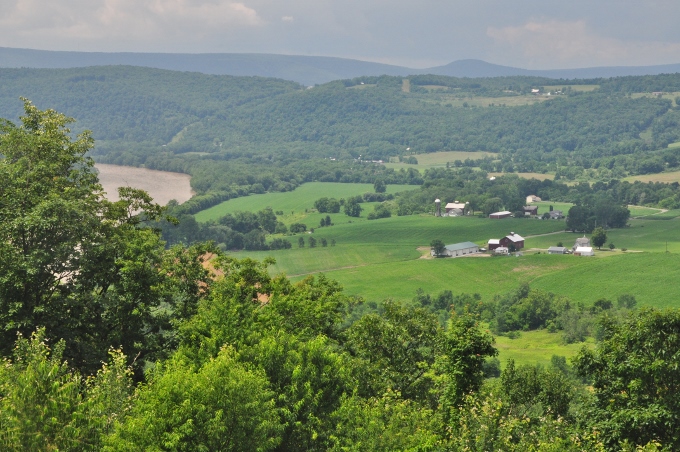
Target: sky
{"points": [[531, 34]]}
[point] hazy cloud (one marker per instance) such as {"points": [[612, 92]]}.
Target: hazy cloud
{"points": [[530, 33], [542, 43]]}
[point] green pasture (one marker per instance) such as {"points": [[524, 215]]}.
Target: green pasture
{"points": [[439, 159], [581, 88], [544, 206], [654, 278], [296, 201], [536, 347]]}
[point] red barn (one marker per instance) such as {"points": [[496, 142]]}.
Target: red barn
{"points": [[516, 240]]}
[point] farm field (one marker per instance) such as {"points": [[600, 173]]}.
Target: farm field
{"points": [[439, 159], [161, 185], [580, 88], [296, 201], [539, 176], [536, 347], [544, 206], [669, 177], [380, 259]]}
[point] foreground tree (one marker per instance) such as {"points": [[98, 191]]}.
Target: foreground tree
{"points": [[634, 371], [87, 270]]}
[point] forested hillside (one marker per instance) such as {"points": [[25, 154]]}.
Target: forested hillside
{"points": [[244, 131]]}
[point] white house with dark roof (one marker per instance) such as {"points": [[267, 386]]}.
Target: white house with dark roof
{"points": [[581, 242]]}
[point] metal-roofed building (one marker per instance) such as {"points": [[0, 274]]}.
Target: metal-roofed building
{"points": [[461, 249]]}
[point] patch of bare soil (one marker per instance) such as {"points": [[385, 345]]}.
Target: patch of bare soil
{"points": [[161, 185]]}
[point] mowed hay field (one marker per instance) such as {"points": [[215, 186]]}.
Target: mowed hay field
{"points": [[297, 201], [163, 186], [439, 159], [669, 177]]}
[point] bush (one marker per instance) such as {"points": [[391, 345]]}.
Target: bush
{"points": [[297, 227]]}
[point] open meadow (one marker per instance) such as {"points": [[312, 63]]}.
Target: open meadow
{"points": [[439, 159], [389, 258], [293, 202]]}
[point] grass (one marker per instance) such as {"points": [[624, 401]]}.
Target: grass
{"points": [[379, 259], [440, 159], [536, 347], [581, 88], [544, 206], [296, 201], [640, 211], [673, 176]]}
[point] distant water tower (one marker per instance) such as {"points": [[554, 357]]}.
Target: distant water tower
{"points": [[437, 207]]}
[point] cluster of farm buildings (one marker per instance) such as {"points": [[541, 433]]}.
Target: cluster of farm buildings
{"points": [[511, 242]]}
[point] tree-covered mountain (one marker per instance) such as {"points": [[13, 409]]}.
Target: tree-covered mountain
{"points": [[232, 131]]}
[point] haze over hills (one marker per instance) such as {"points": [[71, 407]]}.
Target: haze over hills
{"points": [[307, 70]]}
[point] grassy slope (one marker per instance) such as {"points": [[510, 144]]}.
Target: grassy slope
{"points": [[302, 198], [378, 260]]}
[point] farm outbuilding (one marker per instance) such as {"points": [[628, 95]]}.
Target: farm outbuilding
{"points": [[513, 239], [501, 250], [555, 214], [530, 210], [454, 208], [493, 244], [533, 198], [581, 242], [461, 249], [557, 250], [584, 251], [500, 215]]}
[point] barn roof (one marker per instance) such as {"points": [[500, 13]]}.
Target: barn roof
{"points": [[461, 246], [494, 241], [455, 205], [515, 237], [505, 212], [557, 248]]}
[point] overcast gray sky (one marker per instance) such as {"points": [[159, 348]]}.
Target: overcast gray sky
{"points": [[533, 34]]}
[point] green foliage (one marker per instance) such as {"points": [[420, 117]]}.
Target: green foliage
{"points": [[464, 350], [398, 348], [352, 206], [379, 186], [221, 405], [437, 247], [633, 370], [45, 405], [385, 423], [599, 237]]}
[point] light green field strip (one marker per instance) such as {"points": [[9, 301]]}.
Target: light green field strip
{"points": [[297, 201], [536, 347]]}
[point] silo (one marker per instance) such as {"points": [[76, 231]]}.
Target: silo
{"points": [[437, 207]]}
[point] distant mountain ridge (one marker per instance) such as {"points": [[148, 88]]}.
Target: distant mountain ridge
{"points": [[307, 70]]}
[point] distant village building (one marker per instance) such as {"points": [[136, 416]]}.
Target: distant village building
{"points": [[584, 251], [493, 244], [557, 250], [556, 214], [513, 239], [500, 215], [581, 242], [501, 250], [530, 210], [460, 249], [533, 198]]}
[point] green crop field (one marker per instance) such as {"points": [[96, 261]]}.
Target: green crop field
{"points": [[536, 347], [296, 201], [439, 159]]}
